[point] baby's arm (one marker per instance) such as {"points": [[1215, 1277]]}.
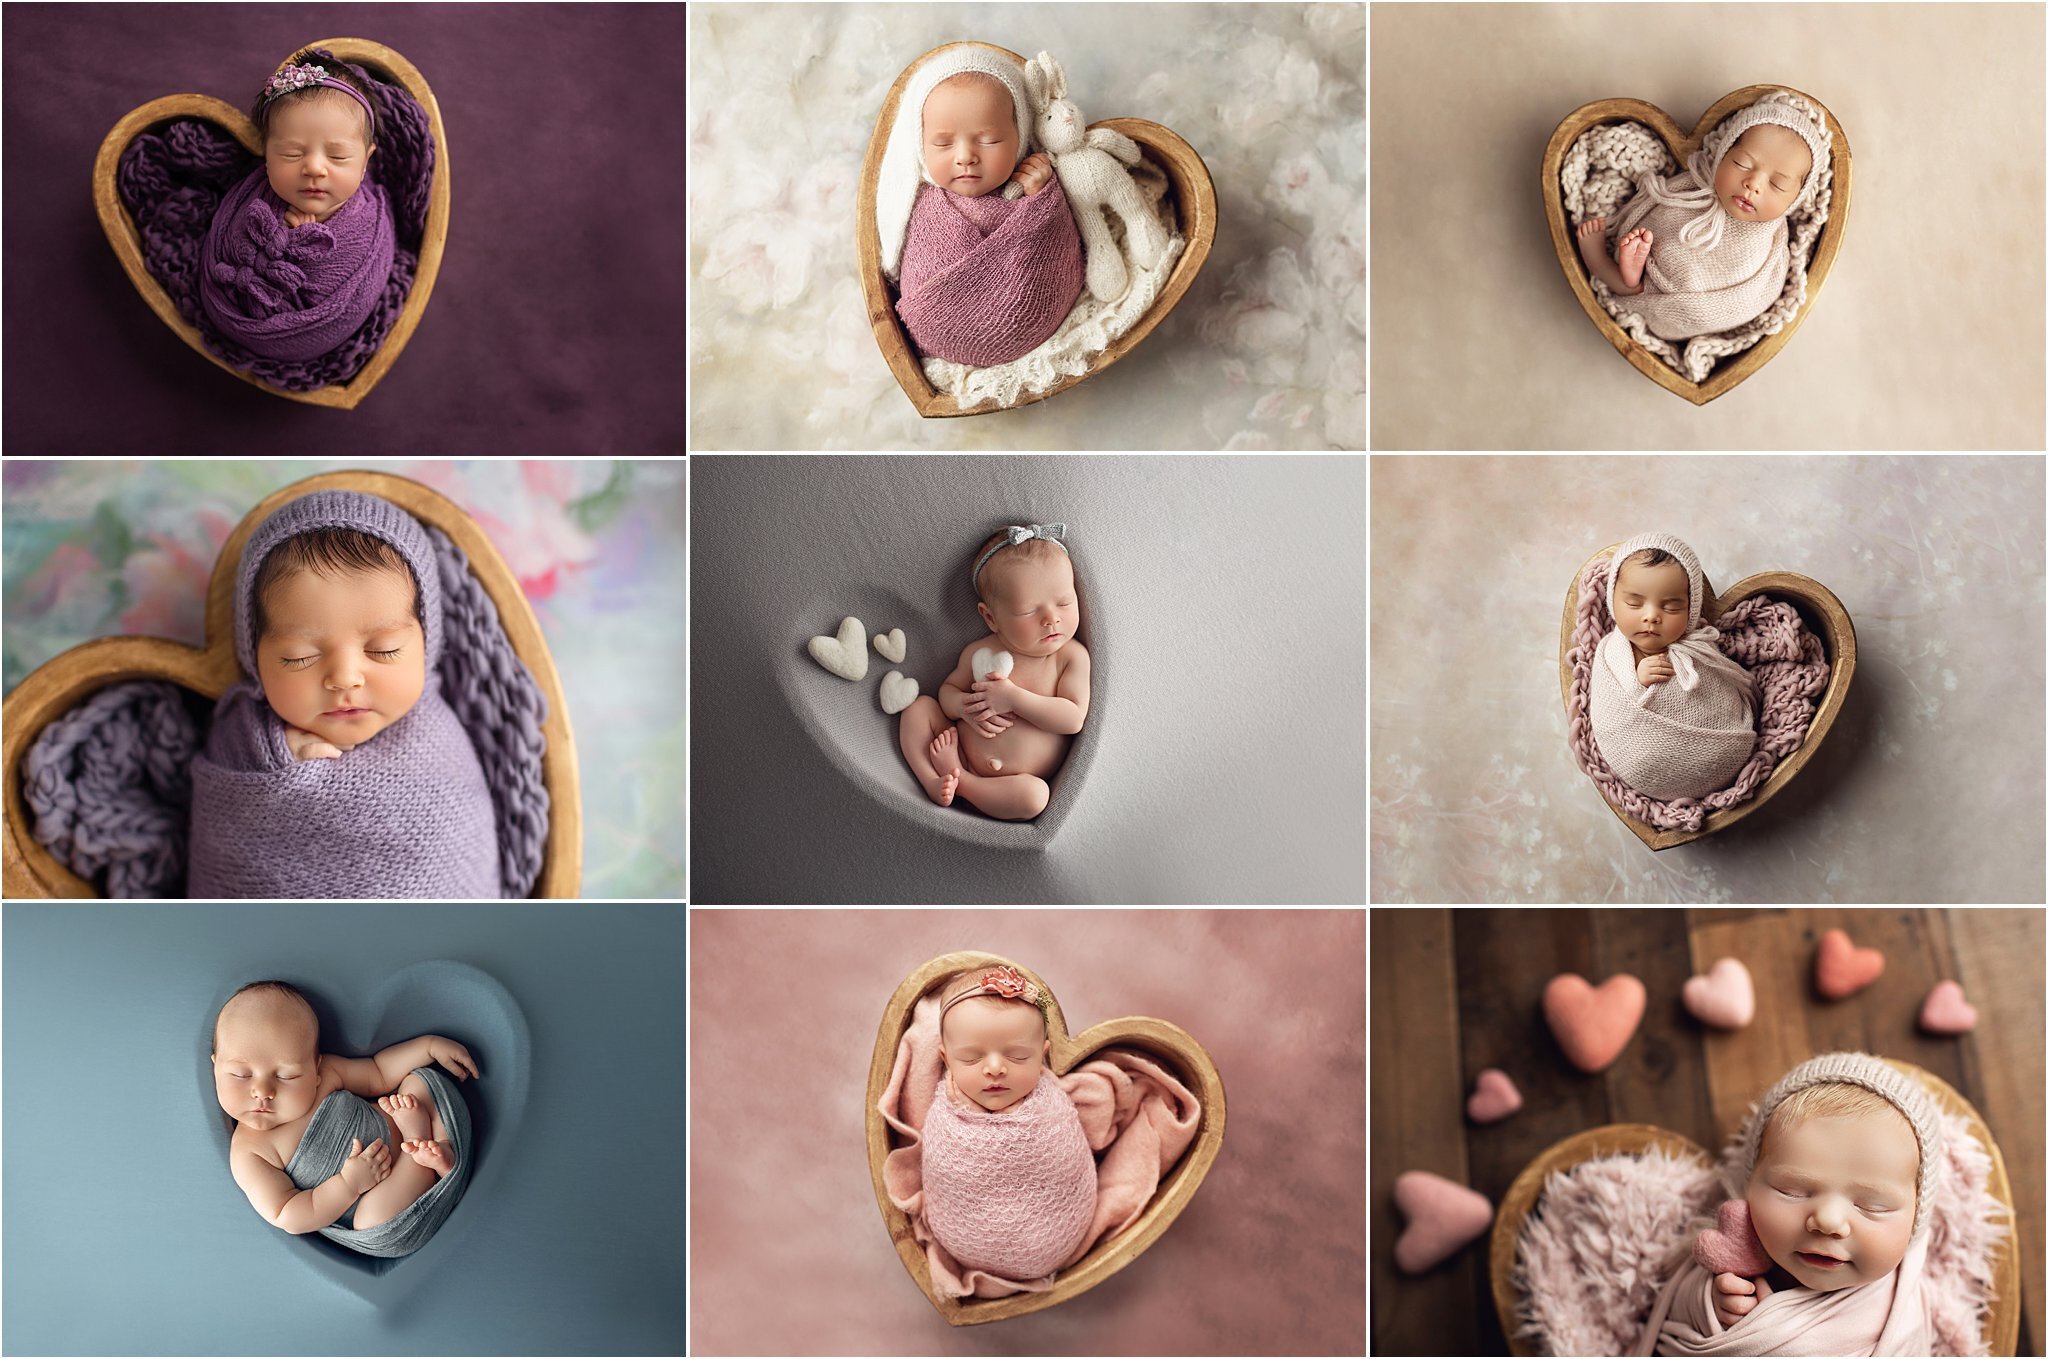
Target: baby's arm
{"points": [[1064, 712], [298, 1211], [382, 1074], [954, 698]]}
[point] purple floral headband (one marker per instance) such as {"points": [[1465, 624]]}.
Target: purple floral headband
{"points": [[291, 78]]}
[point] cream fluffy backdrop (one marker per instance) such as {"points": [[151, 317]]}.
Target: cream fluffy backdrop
{"points": [[1266, 350]]}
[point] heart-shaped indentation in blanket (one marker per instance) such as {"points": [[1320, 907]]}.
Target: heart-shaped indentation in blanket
{"points": [[1194, 195], [1735, 368], [121, 231], [453, 1000], [1822, 613], [64, 682], [1166, 1043]]}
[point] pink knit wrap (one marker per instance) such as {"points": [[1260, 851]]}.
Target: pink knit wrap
{"points": [[987, 280], [1013, 1191], [1765, 635]]}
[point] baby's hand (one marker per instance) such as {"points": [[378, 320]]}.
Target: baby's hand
{"points": [[454, 1056], [1034, 172], [294, 218], [992, 725], [1735, 1297], [1654, 670], [306, 746], [993, 696], [366, 1167]]}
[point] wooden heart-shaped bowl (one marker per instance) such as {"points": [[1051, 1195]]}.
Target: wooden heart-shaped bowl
{"points": [[127, 241], [66, 680], [2001, 1322], [1728, 371], [1168, 1043], [1194, 196], [1823, 615]]}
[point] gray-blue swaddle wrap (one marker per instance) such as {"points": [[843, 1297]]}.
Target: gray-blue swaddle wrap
{"points": [[342, 1118]]}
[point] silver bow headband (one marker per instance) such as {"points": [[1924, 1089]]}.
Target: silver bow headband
{"points": [[1020, 533]]}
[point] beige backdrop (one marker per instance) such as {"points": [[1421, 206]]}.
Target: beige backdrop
{"points": [[1928, 333]]}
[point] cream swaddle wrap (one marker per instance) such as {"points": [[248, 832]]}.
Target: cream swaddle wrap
{"points": [[1689, 735]]}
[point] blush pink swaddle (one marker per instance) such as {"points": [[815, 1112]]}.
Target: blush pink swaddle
{"points": [[1011, 1192]]}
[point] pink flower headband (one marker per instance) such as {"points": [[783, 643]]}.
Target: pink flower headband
{"points": [[1005, 983], [291, 78]]}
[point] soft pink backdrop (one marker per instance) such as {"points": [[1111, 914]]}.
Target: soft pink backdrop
{"points": [[788, 1251]]}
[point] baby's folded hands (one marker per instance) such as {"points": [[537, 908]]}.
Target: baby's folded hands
{"points": [[306, 746], [1034, 172], [1735, 1297], [1654, 670]]}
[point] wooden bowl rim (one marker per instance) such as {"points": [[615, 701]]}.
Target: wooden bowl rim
{"points": [[1837, 638], [66, 679], [1168, 1042], [1194, 201], [1727, 372], [126, 240], [2002, 1319]]}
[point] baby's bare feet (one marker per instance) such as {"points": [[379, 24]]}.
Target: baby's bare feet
{"points": [[438, 1157], [1633, 253], [1593, 243], [409, 1114], [945, 751]]}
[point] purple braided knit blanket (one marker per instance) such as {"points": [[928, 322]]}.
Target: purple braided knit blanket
{"points": [[263, 297], [1767, 637], [987, 280]]}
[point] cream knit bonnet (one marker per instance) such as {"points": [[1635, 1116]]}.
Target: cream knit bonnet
{"points": [[902, 172], [1695, 188], [1901, 1091], [1687, 558]]}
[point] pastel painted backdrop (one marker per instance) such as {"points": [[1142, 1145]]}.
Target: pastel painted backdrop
{"points": [[105, 548], [1927, 789], [1266, 350]]}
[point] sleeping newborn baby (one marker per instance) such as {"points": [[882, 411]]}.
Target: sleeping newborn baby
{"points": [[1707, 249], [339, 770], [1004, 718], [1009, 1180], [1671, 715], [310, 1150], [1841, 1161]]}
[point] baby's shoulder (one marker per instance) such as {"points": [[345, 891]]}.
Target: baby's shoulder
{"points": [[256, 1143], [1071, 655]]}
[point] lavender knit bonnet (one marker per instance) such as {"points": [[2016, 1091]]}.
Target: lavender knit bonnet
{"points": [[902, 173], [1782, 108], [340, 509]]}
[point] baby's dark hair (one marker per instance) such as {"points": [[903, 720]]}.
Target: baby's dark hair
{"points": [[328, 552], [261, 111], [278, 988], [1648, 556]]}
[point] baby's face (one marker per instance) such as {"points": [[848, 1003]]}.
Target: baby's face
{"points": [[266, 1066], [970, 136], [1839, 1188], [315, 154], [1762, 173], [994, 1049], [341, 656], [1030, 605], [1651, 605]]}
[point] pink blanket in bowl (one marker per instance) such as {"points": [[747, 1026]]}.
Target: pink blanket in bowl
{"points": [[986, 280], [1138, 1120]]}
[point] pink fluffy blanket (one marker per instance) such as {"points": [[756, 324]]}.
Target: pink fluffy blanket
{"points": [[986, 280], [1136, 1117], [1766, 636]]}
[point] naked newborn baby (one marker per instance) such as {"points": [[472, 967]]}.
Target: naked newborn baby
{"points": [[339, 770], [1841, 1161], [1670, 713], [1004, 718], [310, 1151], [1707, 250], [1009, 1179]]}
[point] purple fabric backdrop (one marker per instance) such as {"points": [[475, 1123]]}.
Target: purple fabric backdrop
{"points": [[556, 325]]}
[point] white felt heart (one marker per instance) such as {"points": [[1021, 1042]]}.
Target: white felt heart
{"points": [[890, 644], [989, 662], [897, 692], [845, 655]]}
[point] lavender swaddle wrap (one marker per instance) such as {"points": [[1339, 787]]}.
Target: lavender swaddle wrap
{"points": [[344, 1117]]}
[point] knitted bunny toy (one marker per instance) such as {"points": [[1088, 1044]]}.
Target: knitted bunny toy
{"points": [[1090, 165]]}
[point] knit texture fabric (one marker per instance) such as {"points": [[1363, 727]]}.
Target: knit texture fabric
{"points": [[987, 279], [344, 1117], [1688, 560], [902, 176], [1766, 636], [173, 184], [1013, 1191]]}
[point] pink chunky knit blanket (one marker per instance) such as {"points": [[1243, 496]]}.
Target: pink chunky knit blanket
{"points": [[945, 1171], [987, 280], [1767, 637]]}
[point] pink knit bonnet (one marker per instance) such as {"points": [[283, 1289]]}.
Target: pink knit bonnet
{"points": [[1687, 558]]}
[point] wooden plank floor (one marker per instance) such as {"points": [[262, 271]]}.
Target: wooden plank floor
{"points": [[1455, 992]]}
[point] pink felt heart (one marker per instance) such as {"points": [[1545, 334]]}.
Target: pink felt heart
{"points": [[1725, 997], [1732, 1247], [1593, 1025], [1493, 1098], [1945, 1010], [1841, 969], [1443, 1218]]}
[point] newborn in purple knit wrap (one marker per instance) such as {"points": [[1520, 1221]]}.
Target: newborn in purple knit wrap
{"points": [[340, 770]]}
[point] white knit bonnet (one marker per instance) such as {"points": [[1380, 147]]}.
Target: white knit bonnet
{"points": [[1901, 1091], [902, 171], [1781, 108], [1687, 558]]}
